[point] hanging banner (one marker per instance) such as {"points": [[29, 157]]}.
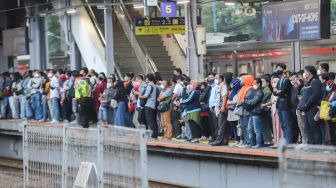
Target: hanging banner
{"points": [[161, 25]]}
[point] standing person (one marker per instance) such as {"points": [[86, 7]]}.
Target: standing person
{"points": [[284, 105], [266, 115], [232, 102], [105, 101], [277, 131], [255, 126], [214, 96], [2, 81], [223, 129], [91, 75], [98, 90], [67, 93], [36, 90], [245, 92], [54, 94], [47, 109], [137, 120], [83, 104], [165, 114], [323, 68], [308, 105], [128, 83], [16, 91], [204, 101], [120, 96], [330, 125], [6, 92], [177, 94], [25, 107], [150, 106]]}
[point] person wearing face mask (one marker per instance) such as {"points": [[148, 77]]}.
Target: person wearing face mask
{"points": [[98, 90], [244, 93], [105, 99], [54, 94], [164, 108], [36, 90], [311, 95], [284, 105], [256, 124], [323, 68], [66, 97], [213, 97], [330, 125]]}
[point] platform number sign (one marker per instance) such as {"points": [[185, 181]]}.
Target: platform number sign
{"points": [[168, 9]]}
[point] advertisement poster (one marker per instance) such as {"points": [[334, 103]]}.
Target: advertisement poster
{"points": [[295, 20]]}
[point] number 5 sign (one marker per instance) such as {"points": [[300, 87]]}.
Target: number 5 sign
{"points": [[168, 9]]}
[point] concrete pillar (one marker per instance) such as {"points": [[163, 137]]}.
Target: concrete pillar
{"points": [[296, 57], [214, 15], [109, 48], [192, 59], [35, 43]]}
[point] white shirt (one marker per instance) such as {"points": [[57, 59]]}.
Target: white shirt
{"points": [[178, 89], [214, 96], [54, 83]]}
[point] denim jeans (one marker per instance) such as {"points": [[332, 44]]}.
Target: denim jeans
{"points": [[14, 104], [244, 121], [45, 109], [255, 132], [4, 107], [56, 108], [25, 108], [285, 117], [37, 106], [102, 114]]}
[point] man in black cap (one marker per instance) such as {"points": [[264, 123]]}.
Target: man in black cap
{"points": [[310, 100]]}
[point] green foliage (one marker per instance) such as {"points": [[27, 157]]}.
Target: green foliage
{"points": [[54, 30], [229, 22]]}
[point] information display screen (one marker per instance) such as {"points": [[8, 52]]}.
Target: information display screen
{"points": [[296, 20]]}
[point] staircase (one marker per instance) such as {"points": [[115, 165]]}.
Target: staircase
{"points": [[155, 47]]}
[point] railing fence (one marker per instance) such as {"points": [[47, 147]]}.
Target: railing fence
{"points": [[53, 155]]}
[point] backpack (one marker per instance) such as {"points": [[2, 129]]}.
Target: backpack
{"points": [[144, 101]]}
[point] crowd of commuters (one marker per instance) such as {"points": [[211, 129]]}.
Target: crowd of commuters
{"points": [[253, 112]]}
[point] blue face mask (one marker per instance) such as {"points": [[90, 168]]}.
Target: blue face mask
{"points": [[211, 81]]}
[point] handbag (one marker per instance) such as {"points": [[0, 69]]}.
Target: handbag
{"points": [[232, 107], [114, 103], [163, 107], [238, 110]]}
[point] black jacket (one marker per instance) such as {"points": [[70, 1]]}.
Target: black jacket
{"points": [[284, 94], [253, 101], [311, 95]]}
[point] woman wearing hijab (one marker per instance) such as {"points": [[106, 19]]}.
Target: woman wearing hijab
{"points": [[245, 92], [120, 97], [232, 101]]}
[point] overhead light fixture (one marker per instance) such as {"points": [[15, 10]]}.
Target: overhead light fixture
{"points": [[43, 14], [183, 2], [230, 3], [138, 6], [71, 11]]}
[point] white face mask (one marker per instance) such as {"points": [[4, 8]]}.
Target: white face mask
{"points": [[162, 86], [216, 82], [36, 75], [304, 75], [126, 78], [108, 85], [318, 72], [255, 87], [49, 75]]}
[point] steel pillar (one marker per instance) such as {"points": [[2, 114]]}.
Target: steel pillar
{"points": [[109, 48], [296, 57]]}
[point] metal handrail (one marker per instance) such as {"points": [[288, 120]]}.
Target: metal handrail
{"points": [[183, 52], [100, 34], [148, 58]]}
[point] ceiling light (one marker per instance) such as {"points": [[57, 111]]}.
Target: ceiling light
{"points": [[138, 6], [183, 2], [230, 4], [71, 11]]}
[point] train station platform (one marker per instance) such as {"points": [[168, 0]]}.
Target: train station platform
{"points": [[165, 158]]}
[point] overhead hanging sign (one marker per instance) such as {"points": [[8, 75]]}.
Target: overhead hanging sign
{"points": [[161, 25], [168, 9]]}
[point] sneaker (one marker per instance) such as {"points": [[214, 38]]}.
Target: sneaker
{"points": [[195, 140], [203, 138], [54, 121], [301, 146]]}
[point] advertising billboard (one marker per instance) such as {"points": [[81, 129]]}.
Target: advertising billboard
{"points": [[296, 20]]}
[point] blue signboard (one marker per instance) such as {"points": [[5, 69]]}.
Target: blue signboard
{"points": [[168, 9], [295, 20]]}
